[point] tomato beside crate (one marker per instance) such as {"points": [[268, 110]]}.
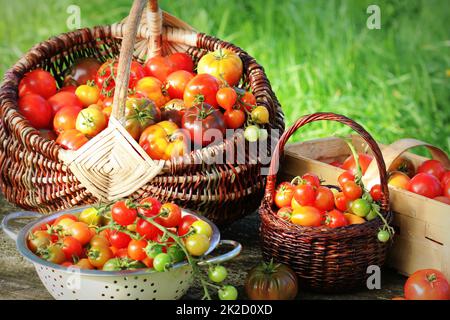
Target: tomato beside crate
{"points": [[421, 224]]}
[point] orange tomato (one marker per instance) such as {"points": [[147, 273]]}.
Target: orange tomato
{"points": [[223, 64], [353, 218], [307, 216], [399, 179], [153, 89], [163, 141]]}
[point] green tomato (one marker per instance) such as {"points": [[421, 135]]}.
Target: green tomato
{"points": [[372, 215], [153, 249], [176, 253], [197, 244], [91, 216], [251, 133], [228, 293], [360, 207], [217, 273], [202, 227], [161, 262], [383, 236], [113, 264]]}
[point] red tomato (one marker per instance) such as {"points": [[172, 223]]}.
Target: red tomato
{"points": [[176, 83], [204, 124], [38, 81], [284, 194], [226, 98], [247, 100], [311, 179], [65, 119], [72, 248], [136, 249], [123, 214], [81, 232], [170, 215], [341, 202], [234, 118], [432, 167], [336, 164], [185, 224], [443, 199], [307, 216], [445, 178], [376, 192], [352, 190], [446, 190], [105, 80], [64, 99], [426, 185], [364, 161], [324, 199], [71, 139], [202, 85], [149, 206], [344, 177], [335, 219], [119, 239], [158, 67], [285, 213], [147, 230], [427, 284], [305, 194], [71, 89], [36, 110], [121, 253], [181, 61]]}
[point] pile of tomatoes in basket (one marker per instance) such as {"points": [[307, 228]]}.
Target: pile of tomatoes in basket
{"points": [[122, 236], [165, 95], [431, 179], [304, 201]]}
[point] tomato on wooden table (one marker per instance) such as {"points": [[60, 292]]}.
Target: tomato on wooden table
{"points": [[271, 281], [39, 82], [427, 284], [36, 110]]}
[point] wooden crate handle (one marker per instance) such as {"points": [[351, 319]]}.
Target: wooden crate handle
{"points": [[394, 150], [279, 149]]}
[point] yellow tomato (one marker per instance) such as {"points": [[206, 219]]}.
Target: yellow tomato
{"points": [[353, 218], [294, 204], [223, 64], [91, 121], [153, 89], [90, 216], [398, 179], [88, 94]]}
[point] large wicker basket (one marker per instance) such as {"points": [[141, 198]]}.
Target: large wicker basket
{"points": [[326, 260], [37, 174]]}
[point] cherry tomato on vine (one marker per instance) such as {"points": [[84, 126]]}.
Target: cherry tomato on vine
{"points": [[376, 192], [360, 207], [185, 224], [344, 177], [72, 248], [247, 100], [123, 214], [324, 199], [161, 262], [226, 98], [234, 118], [149, 206], [99, 255], [217, 273], [335, 219], [119, 239], [136, 249], [147, 230], [81, 232], [228, 293], [202, 227], [340, 201], [260, 115], [383, 236], [170, 215], [197, 244], [351, 190], [311, 179]]}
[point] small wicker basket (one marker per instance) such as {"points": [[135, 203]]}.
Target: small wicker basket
{"points": [[326, 260], [37, 174]]}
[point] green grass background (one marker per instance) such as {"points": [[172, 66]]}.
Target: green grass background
{"points": [[319, 55]]}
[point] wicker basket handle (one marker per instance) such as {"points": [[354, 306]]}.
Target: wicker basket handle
{"points": [[394, 150], [279, 149]]}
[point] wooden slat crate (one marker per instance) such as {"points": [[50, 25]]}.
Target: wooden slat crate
{"points": [[422, 225]]}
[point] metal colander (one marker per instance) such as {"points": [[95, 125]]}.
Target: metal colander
{"points": [[143, 284]]}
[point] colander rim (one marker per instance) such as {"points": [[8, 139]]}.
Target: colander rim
{"points": [[22, 246]]}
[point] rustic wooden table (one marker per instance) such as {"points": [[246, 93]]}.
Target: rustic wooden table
{"points": [[18, 279]]}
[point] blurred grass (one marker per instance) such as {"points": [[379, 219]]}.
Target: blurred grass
{"points": [[319, 55]]}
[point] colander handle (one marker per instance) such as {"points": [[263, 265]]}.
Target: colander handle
{"points": [[13, 216], [237, 247]]}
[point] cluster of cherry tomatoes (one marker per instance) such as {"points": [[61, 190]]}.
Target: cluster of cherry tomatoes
{"points": [[165, 94], [305, 202]]}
